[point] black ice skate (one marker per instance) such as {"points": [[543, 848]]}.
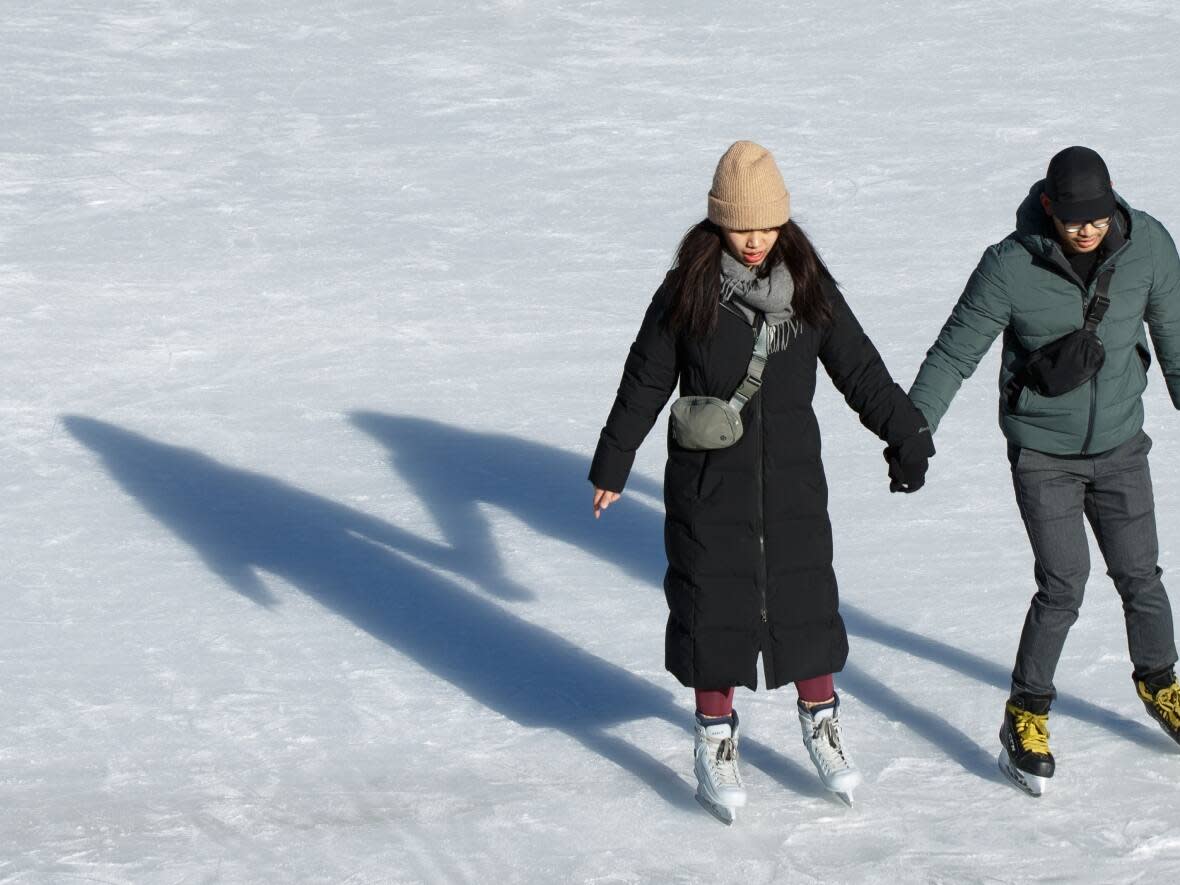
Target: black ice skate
{"points": [[1162, 700], [1024, 738]]}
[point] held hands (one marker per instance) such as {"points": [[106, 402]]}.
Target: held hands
{"points": [[603, 499], [908, 461]]}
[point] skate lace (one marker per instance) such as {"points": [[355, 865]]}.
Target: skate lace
{"points": [[831, 746], [1032, 729], [1167, 702], [725, 763]]}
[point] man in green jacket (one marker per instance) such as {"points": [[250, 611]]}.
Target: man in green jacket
{"points": [[1080, 258]]}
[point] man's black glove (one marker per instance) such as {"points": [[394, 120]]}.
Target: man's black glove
{"points": [[908, 461]]}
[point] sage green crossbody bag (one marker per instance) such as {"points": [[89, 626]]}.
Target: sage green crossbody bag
{"points": [[706, 422]]}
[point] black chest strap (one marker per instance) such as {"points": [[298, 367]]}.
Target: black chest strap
{"points": [[1101, 300]]}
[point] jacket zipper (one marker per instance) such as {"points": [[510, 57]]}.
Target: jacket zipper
{"points": [[1093, 410], [761, 518], [1086, 295], [761, 514]]}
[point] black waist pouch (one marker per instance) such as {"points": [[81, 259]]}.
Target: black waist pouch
{"points": [[1065, 364], [1070, 361]]}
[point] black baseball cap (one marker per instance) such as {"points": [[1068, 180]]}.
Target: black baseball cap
{"points": [[1078, 185]]}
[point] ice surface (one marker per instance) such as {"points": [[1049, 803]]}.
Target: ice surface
{"points": [[311, 315]]}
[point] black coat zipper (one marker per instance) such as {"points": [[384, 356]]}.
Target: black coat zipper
{"points": [[761, 515], [762, 577]]}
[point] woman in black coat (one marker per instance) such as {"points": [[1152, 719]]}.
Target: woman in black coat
{"points": [[747, 534]]}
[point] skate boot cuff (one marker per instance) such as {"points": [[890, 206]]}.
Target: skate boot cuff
{"points": [[817, 712], [710, 721], [1156, 679], [1031, 703]]}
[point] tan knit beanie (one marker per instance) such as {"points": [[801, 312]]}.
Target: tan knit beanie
{"points": [[748, 191]]}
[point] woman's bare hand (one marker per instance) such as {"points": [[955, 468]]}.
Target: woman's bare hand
{"points": [[603, 499]]}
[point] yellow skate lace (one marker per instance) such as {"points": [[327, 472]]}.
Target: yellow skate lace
{"points": [[1166, 702], [1032, 729]]}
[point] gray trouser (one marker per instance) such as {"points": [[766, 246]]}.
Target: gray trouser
{"points": [[1113, 490]]}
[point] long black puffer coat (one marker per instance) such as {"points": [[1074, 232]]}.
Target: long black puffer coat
{"points": [[747, 534]]}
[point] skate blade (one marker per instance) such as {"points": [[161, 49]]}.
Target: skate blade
{"points": [[1033, 784], [1173, 735], [842, 790], [723, 813]]}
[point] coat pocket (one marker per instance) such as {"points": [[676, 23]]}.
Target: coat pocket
{"points": [[701, 475], [1021, 404], [684, 477], [1144, 355]]}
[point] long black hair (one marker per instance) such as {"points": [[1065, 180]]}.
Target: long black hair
{"points": [[697, 278]]}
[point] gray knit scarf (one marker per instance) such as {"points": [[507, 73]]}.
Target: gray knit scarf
{"points": [[768, 295]]}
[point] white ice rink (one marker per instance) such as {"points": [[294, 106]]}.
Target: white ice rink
{"points": [[310, 314]]}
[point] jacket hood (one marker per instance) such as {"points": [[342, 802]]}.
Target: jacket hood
{"points": [[1035, 230]]}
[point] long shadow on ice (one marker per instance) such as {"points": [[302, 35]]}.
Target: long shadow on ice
{"points": [[956, 744], [454, 470], [870, 627], [240, 523]]}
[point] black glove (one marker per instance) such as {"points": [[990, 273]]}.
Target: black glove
{"points": [[908, 461]]}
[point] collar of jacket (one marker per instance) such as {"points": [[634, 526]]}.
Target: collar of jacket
{"points": [[1035, 231]]}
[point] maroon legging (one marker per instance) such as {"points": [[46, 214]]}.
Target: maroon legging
{"points": [[720, 703]]}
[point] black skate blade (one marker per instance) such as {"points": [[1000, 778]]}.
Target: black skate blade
{"points": [[723, 813], [1164, 727], [1031, 784], [845, 798]]}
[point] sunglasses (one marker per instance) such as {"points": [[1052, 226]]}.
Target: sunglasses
{"points": [[1076, 226]]}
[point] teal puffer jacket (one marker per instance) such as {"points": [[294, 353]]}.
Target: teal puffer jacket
{"points": [[1025, 288]]}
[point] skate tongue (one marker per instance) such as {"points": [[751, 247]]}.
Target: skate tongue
{"points": [[719, 732], [818, 714]]}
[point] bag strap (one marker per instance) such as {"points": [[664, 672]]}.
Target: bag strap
{"points": [[1100, 302], [753, 379]]}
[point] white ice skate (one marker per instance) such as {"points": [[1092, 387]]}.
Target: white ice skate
{"points": [[719, 783], [821, 736]]}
